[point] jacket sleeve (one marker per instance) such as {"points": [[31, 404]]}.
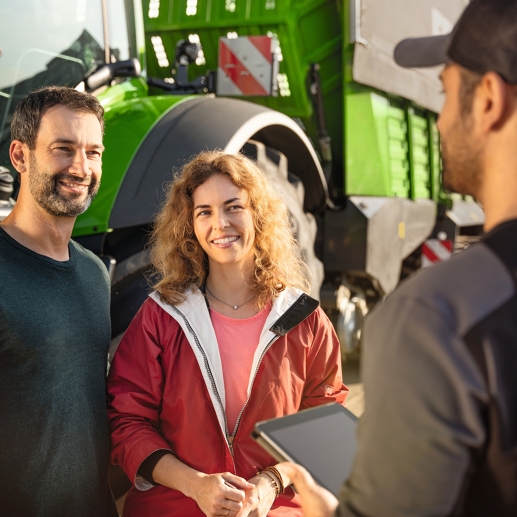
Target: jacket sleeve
{"points": [[423, 396], [324, 380], [135, 387]]}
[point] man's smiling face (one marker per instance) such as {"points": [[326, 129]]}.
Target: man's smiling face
{"points": [[65, 166]]}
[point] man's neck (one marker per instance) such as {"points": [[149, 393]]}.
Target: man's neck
{"points": [[499, 188], [499, 214], [40, 232]]}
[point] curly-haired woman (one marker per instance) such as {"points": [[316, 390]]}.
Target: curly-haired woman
{"points": [[227, 338]]}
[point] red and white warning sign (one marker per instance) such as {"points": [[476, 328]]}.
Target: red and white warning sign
{"points": [[248, 65], [435, 250]]}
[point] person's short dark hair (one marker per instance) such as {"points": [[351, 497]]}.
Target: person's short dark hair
{"points": [[469, 83], [27, 115]]}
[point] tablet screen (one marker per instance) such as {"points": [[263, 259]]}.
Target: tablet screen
{"points": [[324, 445]]}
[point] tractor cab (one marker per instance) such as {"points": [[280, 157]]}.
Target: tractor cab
{"points": [[59, 42]]}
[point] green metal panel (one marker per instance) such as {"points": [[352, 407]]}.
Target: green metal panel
{"points": [[297, 24], [391, 148], [130, 114], [376, 147], [398, 152], [367, 145], [309, 31], [419, 155], [435, 157]]}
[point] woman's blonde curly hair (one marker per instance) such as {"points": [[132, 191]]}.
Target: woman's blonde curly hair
{"points": [[177, 256]]}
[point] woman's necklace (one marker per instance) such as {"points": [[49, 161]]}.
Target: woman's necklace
{"points": [[234, 307]]}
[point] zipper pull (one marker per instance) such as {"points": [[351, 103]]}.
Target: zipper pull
{"points": [[230, 439]]}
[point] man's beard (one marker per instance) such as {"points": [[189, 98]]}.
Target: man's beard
{"points": [[462, 161], [44, 187]]}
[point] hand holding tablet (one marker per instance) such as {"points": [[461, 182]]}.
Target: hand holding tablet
{"points": [[322, 439]]}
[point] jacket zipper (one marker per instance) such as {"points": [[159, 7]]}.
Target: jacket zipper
{"points": [[238, 421], [229, 437]]}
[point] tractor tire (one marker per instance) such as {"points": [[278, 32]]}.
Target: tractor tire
{"points": [[291, 189]]}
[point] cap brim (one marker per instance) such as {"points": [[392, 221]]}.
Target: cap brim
{"points": [[422, 52]]}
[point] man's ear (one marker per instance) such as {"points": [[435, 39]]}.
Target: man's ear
{"points": [[19, 154], [494, 102]]}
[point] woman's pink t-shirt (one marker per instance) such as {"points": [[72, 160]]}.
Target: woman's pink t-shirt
{"points": [[237, 340]]}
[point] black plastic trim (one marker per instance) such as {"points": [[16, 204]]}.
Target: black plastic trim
{"points": [[202, 123], [299, 311]]}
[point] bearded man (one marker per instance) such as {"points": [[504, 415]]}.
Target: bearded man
{"points": [[439, 434], [54, 316]]}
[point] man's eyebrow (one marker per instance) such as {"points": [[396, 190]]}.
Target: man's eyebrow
{"points": [[224, 203], [73, 142]]}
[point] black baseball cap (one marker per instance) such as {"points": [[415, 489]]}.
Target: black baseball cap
{"points": [[483, 40]]}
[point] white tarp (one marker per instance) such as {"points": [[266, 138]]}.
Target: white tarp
{"points": [[378, 25]]}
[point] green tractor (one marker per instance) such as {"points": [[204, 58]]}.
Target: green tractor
{"points": [[307, 88]]}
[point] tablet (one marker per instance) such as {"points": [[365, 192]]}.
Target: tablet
{"points": [[322, 439]]}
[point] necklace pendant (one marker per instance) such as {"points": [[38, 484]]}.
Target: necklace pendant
{"points": [[235, 307]]}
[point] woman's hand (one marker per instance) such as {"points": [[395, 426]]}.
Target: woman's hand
{"points": [[217, 495], [220, 494], [260, 499]]}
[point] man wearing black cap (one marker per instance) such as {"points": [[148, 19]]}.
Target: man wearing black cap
{"points": [[439, 435]]}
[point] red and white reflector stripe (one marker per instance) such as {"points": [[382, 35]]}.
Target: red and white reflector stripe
{"points": [[435, 250], [246, 66]]}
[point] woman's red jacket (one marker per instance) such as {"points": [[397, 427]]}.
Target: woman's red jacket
{"points": [[166, 392]]}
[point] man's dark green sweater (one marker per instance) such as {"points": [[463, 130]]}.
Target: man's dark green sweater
{"points": [[54, 339]]}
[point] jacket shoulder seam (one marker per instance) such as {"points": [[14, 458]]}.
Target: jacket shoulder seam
{"points": [[170, 328]]}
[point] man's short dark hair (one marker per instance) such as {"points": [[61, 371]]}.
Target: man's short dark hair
{"points": [[27, 115], [469, 81]]}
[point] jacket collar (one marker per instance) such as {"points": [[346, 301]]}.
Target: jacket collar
{"points": [[288, 310]]}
